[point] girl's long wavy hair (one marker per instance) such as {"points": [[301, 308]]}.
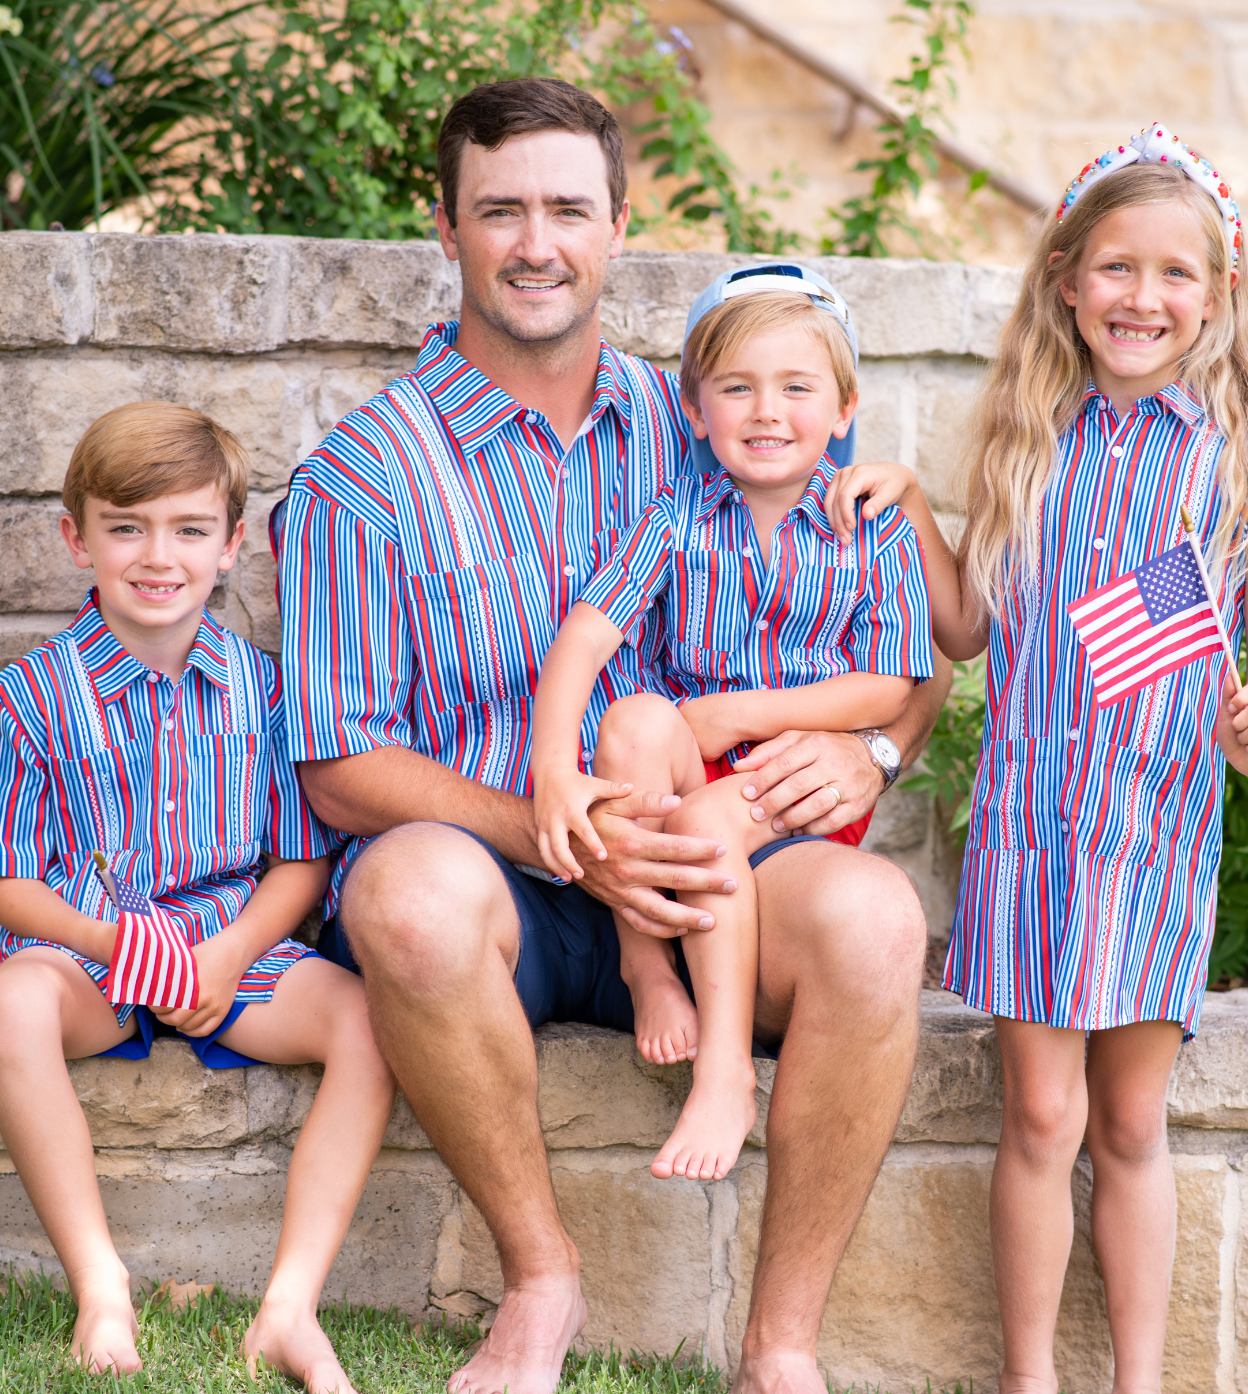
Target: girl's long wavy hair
{"points": [[1037, 383]]}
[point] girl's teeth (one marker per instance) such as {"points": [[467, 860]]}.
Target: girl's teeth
{"points": [[1135, 336]]}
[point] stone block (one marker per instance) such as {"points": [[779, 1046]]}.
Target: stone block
{"points": [[21, 633], [36, 573], [168, 1100], [955, 1091], [1203, 1288], [944, 393], [247, 601], [48, 293], [901, 822], [648, 295], [1209, 1086]]}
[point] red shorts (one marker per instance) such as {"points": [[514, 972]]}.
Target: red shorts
{"points": [[852, 834]]}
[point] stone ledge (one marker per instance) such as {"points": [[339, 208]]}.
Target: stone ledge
{"points": [[211, 293]]}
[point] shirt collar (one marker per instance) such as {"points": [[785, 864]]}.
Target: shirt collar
{"points": [[475, 409], [113, 669], [718, 488], [1177, 398]]}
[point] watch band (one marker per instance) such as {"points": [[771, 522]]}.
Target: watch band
{"points": [[890, 772]]}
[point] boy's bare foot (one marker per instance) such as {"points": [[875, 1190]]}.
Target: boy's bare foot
{"points": [[105, 1331], [717, 1115], [523, 1353], [291, 1340], [665, 1021]]}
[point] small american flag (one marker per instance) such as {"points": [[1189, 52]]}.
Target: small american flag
{"points": [[1146, 624], [152, 964]]}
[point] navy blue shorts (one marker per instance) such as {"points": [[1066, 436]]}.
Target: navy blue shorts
{"points": [[569, 968], [209, 1048]]}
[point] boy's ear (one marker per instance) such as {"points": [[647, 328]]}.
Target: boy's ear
{"points": [[74, 541], [230, 555], [696, 419], [842, 424]]}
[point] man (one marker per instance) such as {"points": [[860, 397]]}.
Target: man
{"points": [[428, 552]]}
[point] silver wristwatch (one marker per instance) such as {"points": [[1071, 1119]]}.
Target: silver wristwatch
{"points": [[884, 754]]}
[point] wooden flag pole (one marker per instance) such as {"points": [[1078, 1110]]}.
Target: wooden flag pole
{"points": [[1189, 527]]}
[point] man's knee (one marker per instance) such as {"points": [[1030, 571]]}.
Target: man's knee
{"points": [[425, 903]]}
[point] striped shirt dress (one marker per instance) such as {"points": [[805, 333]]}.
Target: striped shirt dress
{"points": [[181, 785], [1089, 881]]}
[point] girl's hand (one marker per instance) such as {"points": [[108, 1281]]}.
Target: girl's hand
{"points": [[881, 483], [1232, 730], [711, 719], [561, 803], [219, 975]]}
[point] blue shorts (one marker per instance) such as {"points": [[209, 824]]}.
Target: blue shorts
{"points": [[209, 1049], [569, 967]]}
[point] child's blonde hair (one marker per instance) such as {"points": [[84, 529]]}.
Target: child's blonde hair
{"points": [[1034, 388], [144, 450], [721, 332]]}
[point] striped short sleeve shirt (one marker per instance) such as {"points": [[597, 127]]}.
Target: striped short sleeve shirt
{"points": [[1090, 877], [818, 608], [430, 548], [183, 786]]}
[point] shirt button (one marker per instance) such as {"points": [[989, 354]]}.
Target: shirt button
{"points": [[1074, 735], [530, 417], [169, 805], [1099, 544], [168, 725], [153, 677], [171, 882], [569, 570], [1065, 826], [587, 755], [1115, 451], [761, 626], [747, 551]]}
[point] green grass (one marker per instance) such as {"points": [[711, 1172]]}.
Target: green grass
{"points": [[197, 1349]]}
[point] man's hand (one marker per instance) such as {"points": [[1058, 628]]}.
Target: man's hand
{"points": [[1232, 729], [811, 781], [638, 861], [219, 975]]}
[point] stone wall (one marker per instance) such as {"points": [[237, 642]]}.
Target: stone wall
{"points": [[280, 337], [192, 1164]]}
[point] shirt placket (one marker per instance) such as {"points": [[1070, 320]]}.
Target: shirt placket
{"points": [[165, 840]]}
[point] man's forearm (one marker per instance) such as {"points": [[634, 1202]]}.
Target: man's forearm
{"points": [[910, 731], [382, 789]]}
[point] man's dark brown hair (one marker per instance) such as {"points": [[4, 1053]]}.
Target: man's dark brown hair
{"points": [[489, 114]]}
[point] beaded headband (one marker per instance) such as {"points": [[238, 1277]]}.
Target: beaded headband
{"points": [[1156, 146]]}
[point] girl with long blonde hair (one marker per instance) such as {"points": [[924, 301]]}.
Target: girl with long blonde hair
{"points": [[1086, 907]]}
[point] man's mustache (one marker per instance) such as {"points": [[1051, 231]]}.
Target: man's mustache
{"points": [[547, 272]]}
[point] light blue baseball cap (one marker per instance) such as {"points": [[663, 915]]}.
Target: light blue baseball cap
{"points": [[770, 276]]}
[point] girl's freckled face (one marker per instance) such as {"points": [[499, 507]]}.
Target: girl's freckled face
{"points": [[1141, 294]]}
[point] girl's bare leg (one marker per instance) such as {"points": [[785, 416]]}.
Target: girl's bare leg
{"points": [[1133, 1206], [723, 965], [50, 1010], [644, 739], [1042, 1125], [317, 1014]]}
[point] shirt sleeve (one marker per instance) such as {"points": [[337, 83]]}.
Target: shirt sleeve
{"points": [[891, 628], [294, 831], [639, 570], [26, 827], [347, 651]]}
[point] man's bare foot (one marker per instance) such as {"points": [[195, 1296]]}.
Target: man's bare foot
{"points": [[779, 1372], [105, 1331], [291, 1340], [664, 1019], [717, 1115], [523, 1353]]}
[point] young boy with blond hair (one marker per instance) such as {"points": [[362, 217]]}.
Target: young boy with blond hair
{"points": [[771, 626], [149, 732]]}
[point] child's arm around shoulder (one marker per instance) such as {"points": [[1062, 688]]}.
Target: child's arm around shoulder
{"points": [[958, 628]]}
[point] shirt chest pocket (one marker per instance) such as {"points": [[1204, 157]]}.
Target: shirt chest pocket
{"points": [[482, 631], [227, 790], [710, 601], [105, 799], [822, 600]]}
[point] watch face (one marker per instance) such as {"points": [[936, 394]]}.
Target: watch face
{"points": [[887, 752]]}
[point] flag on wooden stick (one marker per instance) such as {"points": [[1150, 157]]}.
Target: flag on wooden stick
{"points": [[1150, 622], [152, 964]]}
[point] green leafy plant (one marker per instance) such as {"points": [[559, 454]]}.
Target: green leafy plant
{"points": [[1228, 960], [907, 157], [952, 753], [95, 99], [334, 131]]}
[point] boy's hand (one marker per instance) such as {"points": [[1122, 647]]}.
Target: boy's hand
{"points": [[1232, 729], [219, 976], [881, 483], [711, 719], [561, 803]]}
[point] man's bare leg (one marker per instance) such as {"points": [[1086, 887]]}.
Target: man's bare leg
{"points": [[840, 957], [643, 740], [433, 926], [50, 1010]]}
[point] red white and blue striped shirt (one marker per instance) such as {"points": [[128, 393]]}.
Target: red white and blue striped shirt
{"points": [[181, 785], [1090, 878], [817, 609], [431, 547]]}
